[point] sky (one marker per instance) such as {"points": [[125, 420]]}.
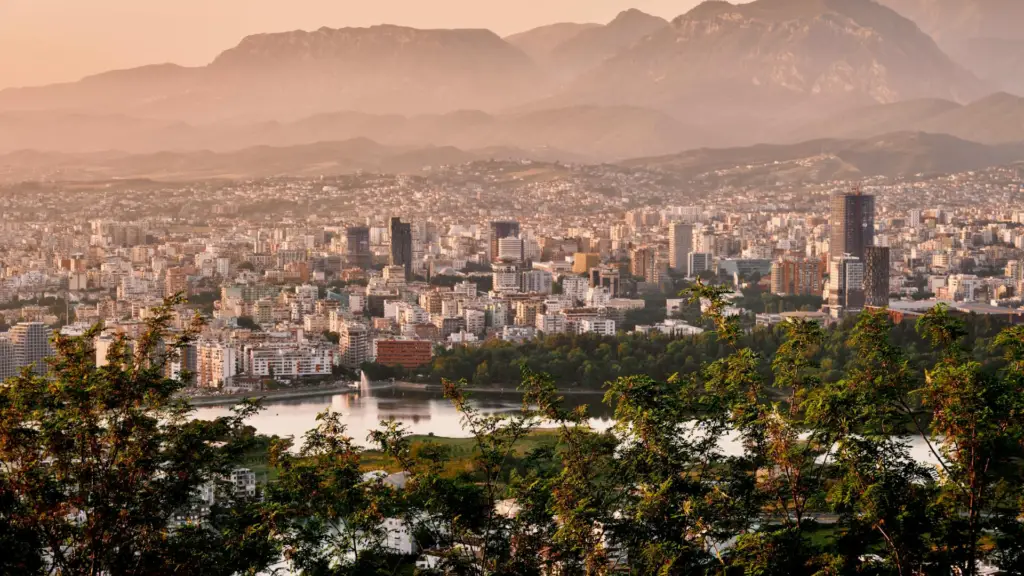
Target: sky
{"points": [[46, 41]]}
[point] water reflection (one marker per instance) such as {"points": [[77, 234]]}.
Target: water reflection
{"points": [[422, 412], [425, 412]]}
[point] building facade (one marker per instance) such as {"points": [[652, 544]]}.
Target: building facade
{"points": [[798, 277], [31, 346], [405, 353], [680, 244], [401, 245], [852, 224], [876, 276]]}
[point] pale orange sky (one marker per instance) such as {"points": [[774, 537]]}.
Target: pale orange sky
{"points": [[44, 41]]}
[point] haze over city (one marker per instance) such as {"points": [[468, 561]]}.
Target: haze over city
{"points": [[494, 288]]}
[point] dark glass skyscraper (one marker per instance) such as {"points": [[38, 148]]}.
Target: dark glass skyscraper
{"points": [[401, 245], [357, 247], [502, 229], [876, 276], [853, 224]]}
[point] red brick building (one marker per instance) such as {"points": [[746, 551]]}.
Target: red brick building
{"points": [[405, 353]]}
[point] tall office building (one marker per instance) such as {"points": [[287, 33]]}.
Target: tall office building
{"points": [[680, 244], [31, 345], [357, 247], [510, 249], [853, 224], [502, 229], [876, 276], [401, 245], [846, 283], [698, 262]]}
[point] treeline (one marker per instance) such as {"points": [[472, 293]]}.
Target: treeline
{"points": [[590, 361], [704, 472]]}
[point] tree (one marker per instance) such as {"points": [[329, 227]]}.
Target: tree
{"points": [[247, 323], [103, 467]]}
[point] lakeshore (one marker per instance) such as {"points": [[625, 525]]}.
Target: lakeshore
{"points": [[347, 388]]}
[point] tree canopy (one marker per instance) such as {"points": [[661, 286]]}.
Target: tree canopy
{"points": [[745, 464]]}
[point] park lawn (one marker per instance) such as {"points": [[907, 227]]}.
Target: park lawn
{"points": [[462, 450]]}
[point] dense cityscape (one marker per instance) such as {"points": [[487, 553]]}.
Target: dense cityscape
{"points": [[463, 288], [298, 276]]}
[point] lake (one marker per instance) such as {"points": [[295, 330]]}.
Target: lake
{"points": [[422, 412], [425, 412]]}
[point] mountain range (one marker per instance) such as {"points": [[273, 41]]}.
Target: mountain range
{"points": [[721, 75], [900, 154], [984, 35]]}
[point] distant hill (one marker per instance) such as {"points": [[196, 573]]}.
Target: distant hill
{"points": [[539, 42], [995, 119], [383, 69], [736, 66], [891, 155], [322, 158], [873, 120], [590, 48], [594, 133], [986, 36]]}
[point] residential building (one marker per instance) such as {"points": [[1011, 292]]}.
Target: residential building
{"points": [[600, 326], [216, 364], [798, 276], [354, 344]]}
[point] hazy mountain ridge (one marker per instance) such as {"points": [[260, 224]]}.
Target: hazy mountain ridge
{"points": [[537, 43], [776, 58], [719, 75], [891, 155], [995, 119], [382, 69], [599, 134], [255, 162], [986, 36], [590, 48]]}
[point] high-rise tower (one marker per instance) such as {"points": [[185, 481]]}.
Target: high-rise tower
{"points": [[499, 230], [357, 247], [401, 245], [680, 244], [31, 345], [876, 276], [853, 224]]}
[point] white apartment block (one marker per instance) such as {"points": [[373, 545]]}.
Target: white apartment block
{"points": [[576, 287], [551, 323], [288, 361], [600, 326]]}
